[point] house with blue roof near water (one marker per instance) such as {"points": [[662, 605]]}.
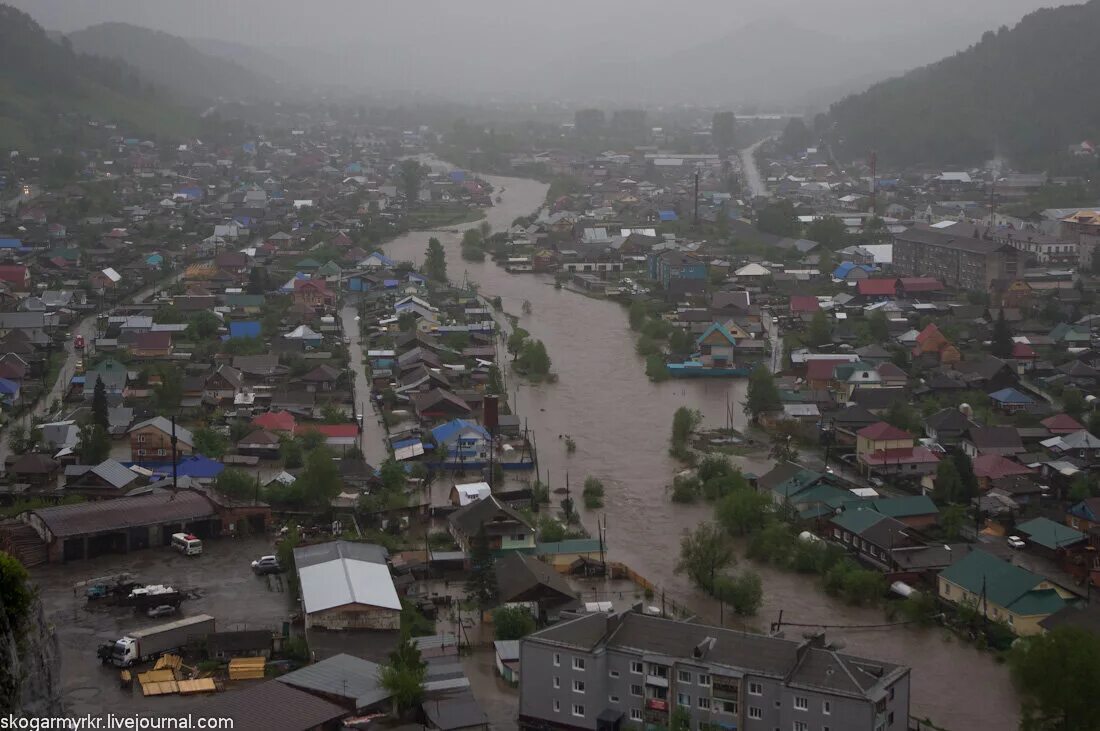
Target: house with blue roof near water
{"points": [[461, 440], [244, 329], [377, 260], [9, 391], [1011, 400]]}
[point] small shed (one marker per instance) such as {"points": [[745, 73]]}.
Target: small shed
{"points": [[507, 658]]}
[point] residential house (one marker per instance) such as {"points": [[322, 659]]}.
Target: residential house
{"points": [[505, 528], [313, 292], [667, 267], [1002, 592], [523, 579], [260, 443], [932, 345], [947, 426], [1002, 440], [108, 479], [151, 345], [460, 440], [1048, 538], [151, 440]]}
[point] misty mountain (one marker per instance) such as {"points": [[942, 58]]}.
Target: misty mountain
{"points": [[1025, 93], [174, 64], [47, 90]]}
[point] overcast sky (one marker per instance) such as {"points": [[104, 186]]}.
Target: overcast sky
{"points": [[553, 49]]}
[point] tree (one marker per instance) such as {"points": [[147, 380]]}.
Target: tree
{"points": [[704, 553], [593, 493], [1073, 402], [516, 341], [94, 445], [743, 511], [210, 442], [878, 327], [784, 443], [762, 395], [481, 586], [1094, 417], [236, 483], [779, 218], [966, 474], [290, 451], [321, 478], [311, 439], [680, 719], [435, 261], [903, 415], [723, 127], [16, 594], [496, 382], [1056, 675], [533, 360], [638, 313], [404, 675], [948, 484], [820, 331], [684, 422], [829, 231], [512, 623], [99, 405], [412, 173], [796, 136], [203, 326], [744, 592], [952, 518], [1001, 345]]}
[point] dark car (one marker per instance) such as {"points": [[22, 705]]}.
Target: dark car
{"points": [[267, 565]]}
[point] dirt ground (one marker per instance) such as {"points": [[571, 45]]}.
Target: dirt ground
{"points": [[224, 587]]}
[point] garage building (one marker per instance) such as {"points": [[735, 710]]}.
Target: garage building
{"points": [[347, 585]]}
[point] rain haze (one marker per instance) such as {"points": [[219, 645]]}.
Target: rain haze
{"points": [[785, 53]]}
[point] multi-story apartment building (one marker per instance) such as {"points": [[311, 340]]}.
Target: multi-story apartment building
{"points": [[609, 672], [1040, 247], [960, 255], [1083, 227]]}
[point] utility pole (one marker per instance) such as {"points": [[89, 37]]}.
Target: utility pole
{"points": [[695, 222], [175, 462]]}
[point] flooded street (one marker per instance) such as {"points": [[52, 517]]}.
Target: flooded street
{"points": [[621, 424]]}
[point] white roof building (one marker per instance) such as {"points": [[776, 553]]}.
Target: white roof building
{"points": [[347, 585]]}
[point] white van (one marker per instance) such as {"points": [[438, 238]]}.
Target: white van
{"points": [[186, 544]]}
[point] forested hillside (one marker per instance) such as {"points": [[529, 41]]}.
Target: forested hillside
{"points": [[1024, 93]]}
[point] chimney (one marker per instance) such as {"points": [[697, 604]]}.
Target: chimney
{"points": [[490, 411]]}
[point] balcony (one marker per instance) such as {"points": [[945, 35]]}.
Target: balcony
{"points": [[656, 680]]}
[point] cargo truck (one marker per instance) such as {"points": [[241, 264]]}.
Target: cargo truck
{"points": [[151, 642]]}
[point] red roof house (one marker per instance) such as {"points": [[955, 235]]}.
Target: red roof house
{"points": [[17, 276], [801, 303], [276, 421], [1062, 424], [919, 285], [877, 287]]}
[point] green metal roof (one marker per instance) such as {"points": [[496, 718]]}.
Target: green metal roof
{"points": [[573, 545], [1004, 582], [797, 483], [1048, 534], [900, 507], [857, 520], [1041, 602]]}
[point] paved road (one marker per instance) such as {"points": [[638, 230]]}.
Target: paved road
{"points": [[775, 337], [750, 173], [372, 440]]}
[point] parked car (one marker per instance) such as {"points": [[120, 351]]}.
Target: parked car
{"points": [[161, 610], [1016, 542], [267, 565]]}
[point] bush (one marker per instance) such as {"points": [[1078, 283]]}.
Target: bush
{"points": [[656, 369], [15, 592], [512, 623], [593, 493], [685, 489], [774, 543], [646, 346], [744, 593]]}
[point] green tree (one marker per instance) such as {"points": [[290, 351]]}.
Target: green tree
{"points": [[236, 484], [762, 395], [210, 442], [704, 554], [796, 137], [321, 478], [952, 519], [512, 623], [1094, 415], [779, 218], [680, 342], [412, 174], [1001, 345], [744, 592], [290, 451], [784, 442], [820, 331], [404, 676], [496, 381], [1073, 402], [743, 511], [481, 586], [534, 360], [99, 405], [203, 326], [829, 231], [94, 445], [15, 591], [948, 484], [656, 369], [639, 311], [966, 474], [684, 422], [593, 493], [723, 127], [904, 415], [878, 327], [311, 439], [680, 719], [516, 341], [435, 261], [1056, 675]]}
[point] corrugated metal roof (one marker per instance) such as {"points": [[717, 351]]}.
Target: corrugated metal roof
{"points": [[332, 550], [342, 676], [272, 706], [342, 581], [128, 512]]}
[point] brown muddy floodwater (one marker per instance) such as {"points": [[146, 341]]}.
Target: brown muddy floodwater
{"points": [[621, 424]]}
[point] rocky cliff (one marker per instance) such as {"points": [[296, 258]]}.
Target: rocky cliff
{"points": [[30, 667]]}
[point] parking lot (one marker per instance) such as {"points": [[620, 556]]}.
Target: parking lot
{"points": [[223, 586]]}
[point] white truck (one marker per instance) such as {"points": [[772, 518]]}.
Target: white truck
{"points": [[151, 642]]}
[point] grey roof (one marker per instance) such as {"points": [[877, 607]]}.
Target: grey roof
{"points": [[127, 512], [342, 676], [821, 668], [507, 649], [114, 473], [457, 712], [470, 518], [322, 552], [159, 422], [272, 706], [584, 632], [120, 416], [518, 574]]}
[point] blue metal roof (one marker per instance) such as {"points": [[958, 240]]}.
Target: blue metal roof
{"points": [[11, 244], [244, 329], [668, 216], [1011, 396], [445, 432]]}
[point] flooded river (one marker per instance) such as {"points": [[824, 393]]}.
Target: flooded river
{"points": [[621, 424]]}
